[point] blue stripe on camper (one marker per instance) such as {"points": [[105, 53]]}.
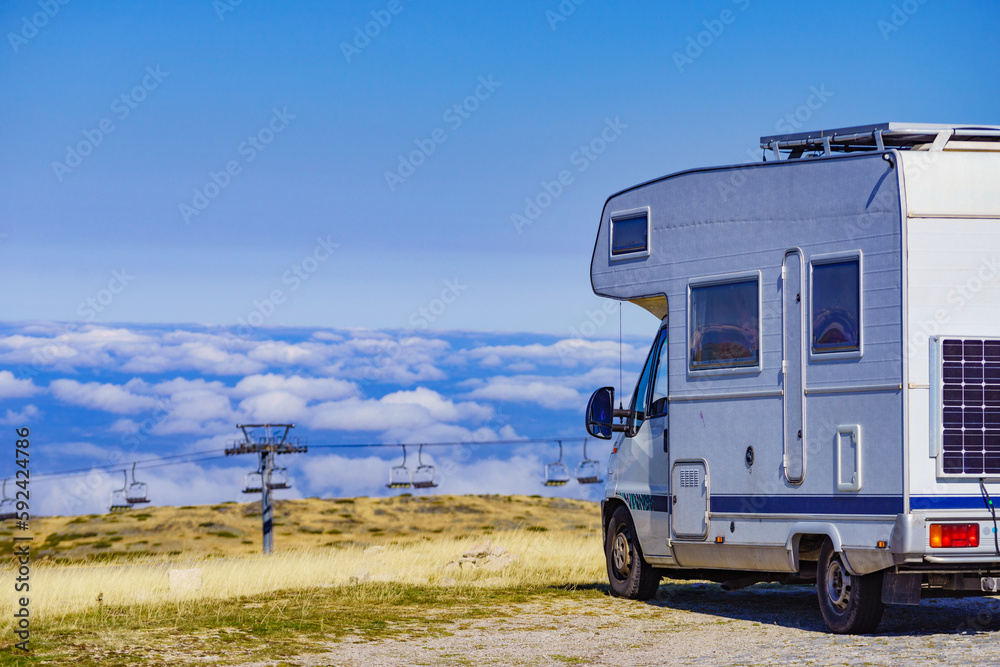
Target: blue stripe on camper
{"points": [[807, 504], [947, 503]]}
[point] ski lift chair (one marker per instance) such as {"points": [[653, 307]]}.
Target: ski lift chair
{"points": [[588, 471], [135, 493], [399, 476], [279, 479], [423, 476], [557, 474], [253, 482], [7, 505], [119, 497]]}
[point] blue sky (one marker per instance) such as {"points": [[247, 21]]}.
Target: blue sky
{"points": [[220, 166]]}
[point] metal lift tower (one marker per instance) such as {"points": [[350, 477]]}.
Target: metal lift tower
{"points": [[266, 444]]}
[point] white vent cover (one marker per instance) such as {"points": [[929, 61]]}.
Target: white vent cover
{"points": [[689, 477]]}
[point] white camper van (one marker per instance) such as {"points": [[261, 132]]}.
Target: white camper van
{"points": [[821, 401]]}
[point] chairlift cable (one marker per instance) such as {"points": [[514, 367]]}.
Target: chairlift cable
{"points": [[182, 459]]}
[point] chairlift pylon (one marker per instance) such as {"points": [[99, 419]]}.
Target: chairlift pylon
{"points": [[588, 471], [423, 476], [399, 476], [7, 505], [557, 474], [135, 493], [119, 497]]}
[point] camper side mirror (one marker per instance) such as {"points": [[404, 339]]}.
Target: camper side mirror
{"points": [[600, 413]]}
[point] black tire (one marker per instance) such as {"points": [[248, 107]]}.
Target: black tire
{"points": [[850, 604], [630, 575]]}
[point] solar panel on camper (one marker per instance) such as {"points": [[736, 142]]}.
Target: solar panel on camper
{"points": [[970, 375]]}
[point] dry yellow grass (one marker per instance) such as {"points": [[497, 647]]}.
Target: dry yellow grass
{"points": [[234, 529], [557, 542]]}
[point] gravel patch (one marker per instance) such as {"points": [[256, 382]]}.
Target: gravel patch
{"points": [[692, 624]]}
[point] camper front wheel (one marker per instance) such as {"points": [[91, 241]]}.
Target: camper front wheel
{"points": [[630, 576], [850, 604]]}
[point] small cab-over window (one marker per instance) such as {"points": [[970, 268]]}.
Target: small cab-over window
{"points": [[836, 305], [724, 324], [630, 234]]}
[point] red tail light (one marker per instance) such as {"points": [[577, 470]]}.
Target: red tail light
{"points": [[954, 535]]}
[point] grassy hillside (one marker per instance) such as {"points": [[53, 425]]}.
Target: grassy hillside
{"points": [[233, 529]]}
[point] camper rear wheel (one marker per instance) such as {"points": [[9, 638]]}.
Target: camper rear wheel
{"points": [[630, 575], [850, 604]]}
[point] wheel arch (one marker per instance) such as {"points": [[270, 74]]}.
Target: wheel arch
{"points": [[806, 538], [608, 508]]}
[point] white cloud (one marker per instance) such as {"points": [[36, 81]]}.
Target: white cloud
{"points": [[406, 410], [274, 406], [569, 352], [320, 389], [11, 387], [28, 414], [438, 406], [550, 395], [96, 396], [277, 352]]}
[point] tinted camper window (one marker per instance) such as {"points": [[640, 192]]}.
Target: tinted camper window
{"points": [[630, 235], [724, 325], [836, 306]]}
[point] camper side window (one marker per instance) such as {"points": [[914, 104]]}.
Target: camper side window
{"points": [[836, 306], [641, 393], [724, 325], [658, 399], [630, 234]]}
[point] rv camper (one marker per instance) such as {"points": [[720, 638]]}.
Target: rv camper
{"points": [[821, 401]]}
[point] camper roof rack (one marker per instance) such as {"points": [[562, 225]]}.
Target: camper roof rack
{"points": [[903, 136]]}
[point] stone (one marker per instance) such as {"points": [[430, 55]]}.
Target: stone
{"points": [[184, 581], [448, 581], [453, 566], [478, 550], [497, 551], [497, 563], [359, 577]]}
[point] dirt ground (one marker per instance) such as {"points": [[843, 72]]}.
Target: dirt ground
{"points": [[694, 624]]}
